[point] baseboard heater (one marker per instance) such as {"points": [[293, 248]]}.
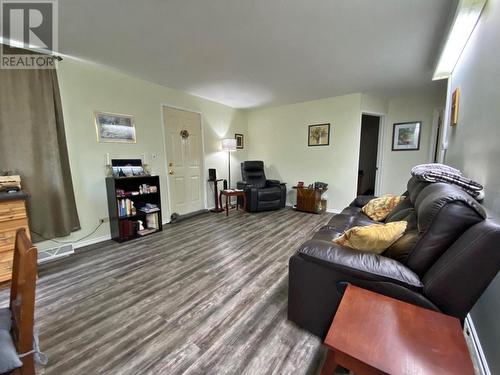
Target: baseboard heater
{"points": [[48, 255]]}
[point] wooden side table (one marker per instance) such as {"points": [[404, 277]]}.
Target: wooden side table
{"points": [[309, 200], [375, 334], [232, 193]]}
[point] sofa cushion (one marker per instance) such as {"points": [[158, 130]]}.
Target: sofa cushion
{"points": [[378, 208], [348, 218], [400, 211], [443, 213], [415, 187], [8, 355], [341, 222], [360, 264], [327, 233], [374, 238], [5, 319], [401, 249]]}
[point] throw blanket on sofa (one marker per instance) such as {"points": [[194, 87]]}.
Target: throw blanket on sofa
{"points": [[443, 173]]}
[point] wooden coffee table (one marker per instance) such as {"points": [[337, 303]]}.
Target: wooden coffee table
{"points": [[375, 334], [232, 193]]}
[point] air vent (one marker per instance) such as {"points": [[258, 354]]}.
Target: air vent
{"points": [[55, 253]]}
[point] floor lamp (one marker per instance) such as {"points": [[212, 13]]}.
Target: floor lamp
{"points": [[229, 144]]}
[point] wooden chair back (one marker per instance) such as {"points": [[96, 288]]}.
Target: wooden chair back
{"points": [[22, 298]]}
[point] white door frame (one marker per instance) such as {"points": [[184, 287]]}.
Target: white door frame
{"points": [[204, 172], [380, 146], [435, 122]]}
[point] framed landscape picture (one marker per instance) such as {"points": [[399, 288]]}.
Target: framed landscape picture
{"points": [[318, 135], [114, 127], [406, 136], [239, 141]]}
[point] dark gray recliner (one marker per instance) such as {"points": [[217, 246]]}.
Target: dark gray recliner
{"points": [[447, 257], [262, 194]]}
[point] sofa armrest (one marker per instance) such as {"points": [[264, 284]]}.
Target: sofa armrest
{"points": [[359, 264], [361, 200], [242, 185], [273, 183]]}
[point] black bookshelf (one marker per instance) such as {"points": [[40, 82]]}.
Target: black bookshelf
{"points": [[123, 222]]}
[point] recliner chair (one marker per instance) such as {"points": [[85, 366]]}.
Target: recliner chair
{"points": [[262, 194]]}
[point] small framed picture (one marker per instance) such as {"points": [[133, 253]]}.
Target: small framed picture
{"points": [[114, 127], [318, 135], [239, 141], [455, 100], [406, 136]]}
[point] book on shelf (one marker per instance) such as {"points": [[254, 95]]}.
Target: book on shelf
{"points": [[126, 207]]}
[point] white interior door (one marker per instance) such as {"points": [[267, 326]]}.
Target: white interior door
{"points": [[184, 158]]}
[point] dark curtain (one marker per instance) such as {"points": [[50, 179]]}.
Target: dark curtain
{"points": [[33, 145]]}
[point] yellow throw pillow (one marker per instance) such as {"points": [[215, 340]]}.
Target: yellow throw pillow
{"points": [[374, 238], [378, 208]]}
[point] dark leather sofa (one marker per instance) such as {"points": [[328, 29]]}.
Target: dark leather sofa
{"points": [[447, 257], [262, 194]]}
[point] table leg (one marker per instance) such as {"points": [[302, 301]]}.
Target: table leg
{"points": [[330, 364], [220, 201], [227, 205]]}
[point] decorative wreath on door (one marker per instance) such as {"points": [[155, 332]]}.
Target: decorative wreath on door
{"points": [[184, 134]]}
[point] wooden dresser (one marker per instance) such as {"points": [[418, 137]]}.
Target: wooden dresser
{"points": [[12, 217]]}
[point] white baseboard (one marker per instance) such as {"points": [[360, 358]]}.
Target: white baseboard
{"points": [[329, 210], [478, 350], [91, 241]]}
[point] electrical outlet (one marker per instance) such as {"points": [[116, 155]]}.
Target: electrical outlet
{"points": [[103, 220]]}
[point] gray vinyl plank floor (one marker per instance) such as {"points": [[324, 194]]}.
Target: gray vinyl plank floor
{"points": [[207, 295]]}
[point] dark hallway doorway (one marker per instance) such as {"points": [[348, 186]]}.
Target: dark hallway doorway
{"points": [[368, 150]]}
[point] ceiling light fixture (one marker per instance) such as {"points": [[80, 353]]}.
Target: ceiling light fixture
{"points": [[466, 17]]}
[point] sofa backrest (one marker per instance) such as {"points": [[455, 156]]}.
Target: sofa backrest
{"points": [[252, 172], [459, 277], [441, 213]]}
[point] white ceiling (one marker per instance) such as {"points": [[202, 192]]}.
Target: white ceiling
{"points": [[252, 53]]}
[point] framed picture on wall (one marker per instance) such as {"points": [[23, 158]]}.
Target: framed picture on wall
{"points": [[455, 100], [239, 141], [406, 136], [318, 135], [114, 127]]}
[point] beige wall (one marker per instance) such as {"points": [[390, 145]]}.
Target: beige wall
{"points": [[87, 87], [396, 165], [473, 148], [374, 104], [278, 136]]}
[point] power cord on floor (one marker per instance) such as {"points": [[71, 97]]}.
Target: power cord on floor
{"points": [[68, 242]]}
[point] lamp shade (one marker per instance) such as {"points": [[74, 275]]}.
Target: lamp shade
{"points": [[229, 144]]}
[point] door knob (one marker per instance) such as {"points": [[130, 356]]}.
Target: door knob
{"points": [[170, 172]]}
